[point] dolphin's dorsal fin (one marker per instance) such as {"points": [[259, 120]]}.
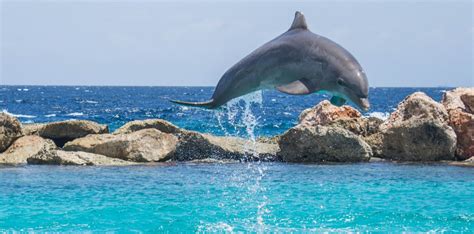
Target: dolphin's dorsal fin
{"points": [[299, 22]]}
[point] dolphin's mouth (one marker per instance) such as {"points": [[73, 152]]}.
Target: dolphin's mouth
{"points": [[363, 103]]}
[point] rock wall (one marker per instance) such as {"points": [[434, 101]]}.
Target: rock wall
{"points": [[420, 129]]}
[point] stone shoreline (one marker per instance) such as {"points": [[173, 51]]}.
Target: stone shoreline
{"points": [[419, 130]]}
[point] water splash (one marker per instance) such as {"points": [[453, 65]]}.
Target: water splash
{"points": [[241, 119]]}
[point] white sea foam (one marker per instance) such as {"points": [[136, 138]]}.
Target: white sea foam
{"points": [[75, 114], [215, 227], [380, 115], [19, 115], [89, 102], [50, 115]]}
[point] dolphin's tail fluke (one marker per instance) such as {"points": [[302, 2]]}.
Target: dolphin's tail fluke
{"points": [[207, 104]]}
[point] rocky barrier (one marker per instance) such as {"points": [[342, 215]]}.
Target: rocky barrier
{"points": [[419, 130]]}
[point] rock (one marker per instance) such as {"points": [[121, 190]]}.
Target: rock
{"points": [[213, 160], [467, 163], [345, 117], [269, 140], [416, 106], [194, 145], [360, 126], [463, 125], [375, 141], [147, 145], [324, 113], [376, 159], [60, 157], [162, 125], [416, 131], [305, 143], [64, 131], [460, 105], [418, 140], [10, 130], [31, 129], [459, 98], [26, 147]]}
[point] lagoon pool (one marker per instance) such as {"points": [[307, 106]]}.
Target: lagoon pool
{"points": [[257, 197]]}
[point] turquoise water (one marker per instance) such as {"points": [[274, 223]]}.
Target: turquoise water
{"points": [[238, 197]]}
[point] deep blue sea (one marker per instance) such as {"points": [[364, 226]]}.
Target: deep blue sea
{"points": [[239, 197], [272, 111]]}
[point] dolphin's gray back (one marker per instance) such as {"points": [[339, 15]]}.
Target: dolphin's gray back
{"points": [[296, 62], [247, 75], [284, 59]]}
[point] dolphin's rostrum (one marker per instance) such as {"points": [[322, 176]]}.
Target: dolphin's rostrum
{"points": [[297, 62]]}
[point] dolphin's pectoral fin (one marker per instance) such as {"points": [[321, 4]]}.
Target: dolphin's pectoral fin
{"points": [[299, 87], [337, 101]]}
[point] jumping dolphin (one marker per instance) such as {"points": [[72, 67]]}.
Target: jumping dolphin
{"points": [[297, 62]]}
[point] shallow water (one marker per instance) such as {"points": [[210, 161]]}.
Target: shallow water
{"points": [[238, 197]]}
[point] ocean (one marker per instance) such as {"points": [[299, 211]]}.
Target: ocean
{"points": [[272, 112], [235, 197]]}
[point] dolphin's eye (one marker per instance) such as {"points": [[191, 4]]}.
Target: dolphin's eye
{"points": [[341, 82]]}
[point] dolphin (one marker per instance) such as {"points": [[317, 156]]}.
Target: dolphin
{"points": [[297, 62]]}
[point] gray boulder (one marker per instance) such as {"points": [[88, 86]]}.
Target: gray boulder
{"points": [[416, 106], [194, 145], [60, 157], [64, 131], [10, 130], [159, 124], [147, 145], [322, 144], [416, 131], [418, 140], [26, 147]]}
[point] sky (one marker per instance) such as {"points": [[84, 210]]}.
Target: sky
{"points": [[192, 43]]}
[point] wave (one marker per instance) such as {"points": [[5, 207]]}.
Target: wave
{"points": [[19, 115], [89, 102], [50, 115], [380, 115], [75, 114]]}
